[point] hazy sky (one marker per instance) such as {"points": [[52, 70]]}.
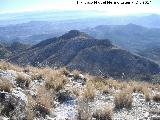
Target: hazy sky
{"points": [[34, 5]]}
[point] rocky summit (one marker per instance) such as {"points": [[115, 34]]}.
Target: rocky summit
{"points": [[77, 50]]}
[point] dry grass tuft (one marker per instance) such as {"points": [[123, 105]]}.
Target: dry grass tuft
{"points": [[156, 98], [123, 100], [30, 108], [5, 85], [8, 66], [23, 81], [84, 112], [64, 71], [43, 102], [55, 80], [103, 114], [89, 92], [76, 74]]}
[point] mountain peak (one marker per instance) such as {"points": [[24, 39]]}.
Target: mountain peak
{"points": [[75, 33]]}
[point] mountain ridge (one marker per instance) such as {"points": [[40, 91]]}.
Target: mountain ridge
{"points": [[77, 50]]}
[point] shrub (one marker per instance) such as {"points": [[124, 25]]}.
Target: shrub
{"points": [[123, 100], [147, 97], [23, 81], [89, 92], [55, 79], [5, 85], [156, 98], [83, 111], [43, 102], [103, 114], [8, 66], [76, 74], [64, 71]]}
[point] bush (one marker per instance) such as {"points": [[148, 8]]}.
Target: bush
{"points": [[123, 100], [83, 110], [89, 92], [103, 114], [43, 103], [54, 79], [23, 81], [156, 98], [5, 85]]}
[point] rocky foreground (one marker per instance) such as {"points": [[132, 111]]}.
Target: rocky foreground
{"points": [[46, 94]]}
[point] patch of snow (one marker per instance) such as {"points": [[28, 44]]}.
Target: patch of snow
{"points": [[20, 95]]}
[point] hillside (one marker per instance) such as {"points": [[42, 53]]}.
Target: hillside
{"points": [[31, 93], [77, 50], [9, 49], [152, 52], [131, 36], [4, 53]]}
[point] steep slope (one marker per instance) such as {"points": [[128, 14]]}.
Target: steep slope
{"points": [[78, 50], [4, 52], [152, 52], [16, 47], [9, 49]]}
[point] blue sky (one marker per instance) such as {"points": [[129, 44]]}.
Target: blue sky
{"points": [[34, 5]]}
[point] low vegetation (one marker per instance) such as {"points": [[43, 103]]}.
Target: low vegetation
{"points": [[123, 100], [56, 87], [103, 114], [156, 98], [23, 81], [89, 92], [5, 85]]}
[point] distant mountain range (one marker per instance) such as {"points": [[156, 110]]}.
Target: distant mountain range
{"points": [[77, 50], [31, 28], [131, 37]]}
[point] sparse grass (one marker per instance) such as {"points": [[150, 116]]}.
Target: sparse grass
{"points": [[84, 112], [103, 114], [138, 88], [123, 100], [43, 102], [23, 81], [5, 85], [89, 92], [156, 98], [147, 97], [64, 71], [102, 87], [76, 74], [30, 108], [55, 81], [8, 66], [142, 88]]}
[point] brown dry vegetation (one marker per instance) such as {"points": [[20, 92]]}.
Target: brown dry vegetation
{"points": [[84, 112], [123, 100], [5, 85], [156, 98], [89, 92], [8, 66], [55, 80], [103, 114], [23, 81], [76, 74], [43, 101]]}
